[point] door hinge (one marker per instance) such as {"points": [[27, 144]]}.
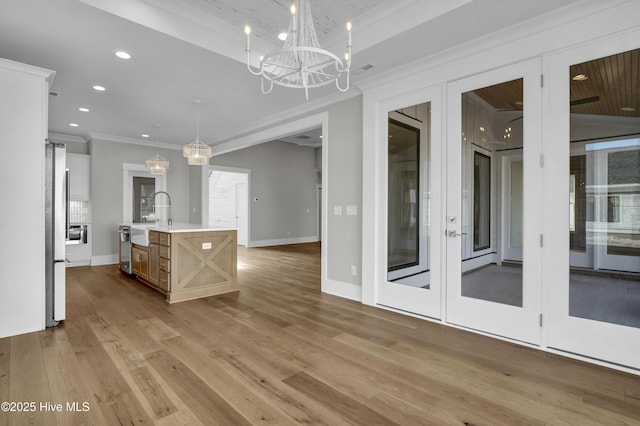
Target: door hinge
{"points": [[541, 80], [541, 240], [541, 160], [540, 320]]}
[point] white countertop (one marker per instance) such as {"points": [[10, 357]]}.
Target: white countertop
{"points": [[188, 227], [140, 231]]}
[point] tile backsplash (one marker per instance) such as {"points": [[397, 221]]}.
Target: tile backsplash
{"points": [[79, 212]]}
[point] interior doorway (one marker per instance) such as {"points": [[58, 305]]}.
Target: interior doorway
{"points": [[229, 201]]}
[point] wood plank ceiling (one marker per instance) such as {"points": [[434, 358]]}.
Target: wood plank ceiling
{"points": [[611, 83]]}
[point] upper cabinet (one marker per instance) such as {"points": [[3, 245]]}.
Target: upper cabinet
{"points": [[79, 176]]}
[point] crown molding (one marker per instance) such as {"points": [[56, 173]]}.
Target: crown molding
{"points": [[132, 141], [529, 29], [62, 138], [388, 20], [28, 69], [290, 114]]}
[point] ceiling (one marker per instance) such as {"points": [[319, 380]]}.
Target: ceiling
{"points": [[610, 87], [194, 49]]}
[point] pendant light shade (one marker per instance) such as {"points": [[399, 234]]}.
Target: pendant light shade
{"points": [[158, 165], [196, 152]]}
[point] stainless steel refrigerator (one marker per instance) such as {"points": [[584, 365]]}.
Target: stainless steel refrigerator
{"points": [[56, 232]]}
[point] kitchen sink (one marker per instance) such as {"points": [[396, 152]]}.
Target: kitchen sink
{"points": [[140, 233]]}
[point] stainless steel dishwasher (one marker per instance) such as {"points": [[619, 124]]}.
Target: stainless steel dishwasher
{"points": [[124, 232]]}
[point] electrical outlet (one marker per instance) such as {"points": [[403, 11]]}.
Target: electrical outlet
{"points": [[206, 246]]}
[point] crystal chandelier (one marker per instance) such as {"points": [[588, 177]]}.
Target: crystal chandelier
{"points": [[301, 63], [197, 153], [158, 165]]}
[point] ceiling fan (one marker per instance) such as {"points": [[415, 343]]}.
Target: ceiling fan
{"points": [[575, 102]]}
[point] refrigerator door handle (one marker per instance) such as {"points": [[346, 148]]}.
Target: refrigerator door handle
{"points": [[67, 187]]}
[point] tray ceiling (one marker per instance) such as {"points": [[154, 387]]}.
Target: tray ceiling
{"points": [[269, 18]]}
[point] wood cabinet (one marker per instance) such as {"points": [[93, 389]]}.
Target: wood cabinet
{"points": [[164, 257], [140, 261], [79, 176], [188, 265], [154, 265]]}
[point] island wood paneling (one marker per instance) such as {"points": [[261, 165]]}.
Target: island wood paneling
{"points": [[281, 352]]}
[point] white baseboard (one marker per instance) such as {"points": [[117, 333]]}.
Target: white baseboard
{"points": [[109, 259], [84, 262], [283, 241], [342, 289]]}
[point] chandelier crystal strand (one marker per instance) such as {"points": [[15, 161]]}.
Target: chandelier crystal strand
{"points": [[301, 63], [197, 153]]}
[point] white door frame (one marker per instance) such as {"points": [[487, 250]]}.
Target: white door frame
{"points": [[129, 171], [418, 301], [595, 339], [520, 323]]}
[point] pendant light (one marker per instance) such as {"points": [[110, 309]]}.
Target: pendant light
{"points": [[197, 153], [157, 165]]}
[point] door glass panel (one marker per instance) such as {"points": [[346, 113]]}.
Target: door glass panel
{"points": [[481, 201], [492, 120], [604, 193], [143, 187], [408, 192]]}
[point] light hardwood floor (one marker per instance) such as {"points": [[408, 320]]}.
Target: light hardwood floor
{"points": [[280, 352]]}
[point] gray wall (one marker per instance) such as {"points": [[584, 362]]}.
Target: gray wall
{"points": [[107, 158], [283, 179], [344, 175], [77, 147]]}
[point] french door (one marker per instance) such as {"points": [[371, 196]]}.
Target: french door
{"points": [[593, 261], [411, 161], [493, 202]]}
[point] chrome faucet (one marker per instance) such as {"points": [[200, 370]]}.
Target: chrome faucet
{"points": [[153, 205]]}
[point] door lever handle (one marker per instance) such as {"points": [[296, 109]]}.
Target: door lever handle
{"points": [[453, 233]]}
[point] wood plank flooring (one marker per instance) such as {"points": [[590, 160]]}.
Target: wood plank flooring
{"points": [[281, 352]]}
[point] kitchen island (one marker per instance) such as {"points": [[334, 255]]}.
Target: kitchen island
{"points": [[185, 261]]}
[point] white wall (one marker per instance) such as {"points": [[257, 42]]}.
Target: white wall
{"points": [[23, 111]]}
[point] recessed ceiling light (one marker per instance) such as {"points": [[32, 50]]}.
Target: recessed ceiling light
{"points": [[144, 135], [580, 77], [99, 88], [83, 109], [282, 36], [627, 109], [123, 55], [73, 125]]}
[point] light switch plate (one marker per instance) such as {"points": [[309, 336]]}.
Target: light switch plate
{"points": [[352, 210], [337, 210]]}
